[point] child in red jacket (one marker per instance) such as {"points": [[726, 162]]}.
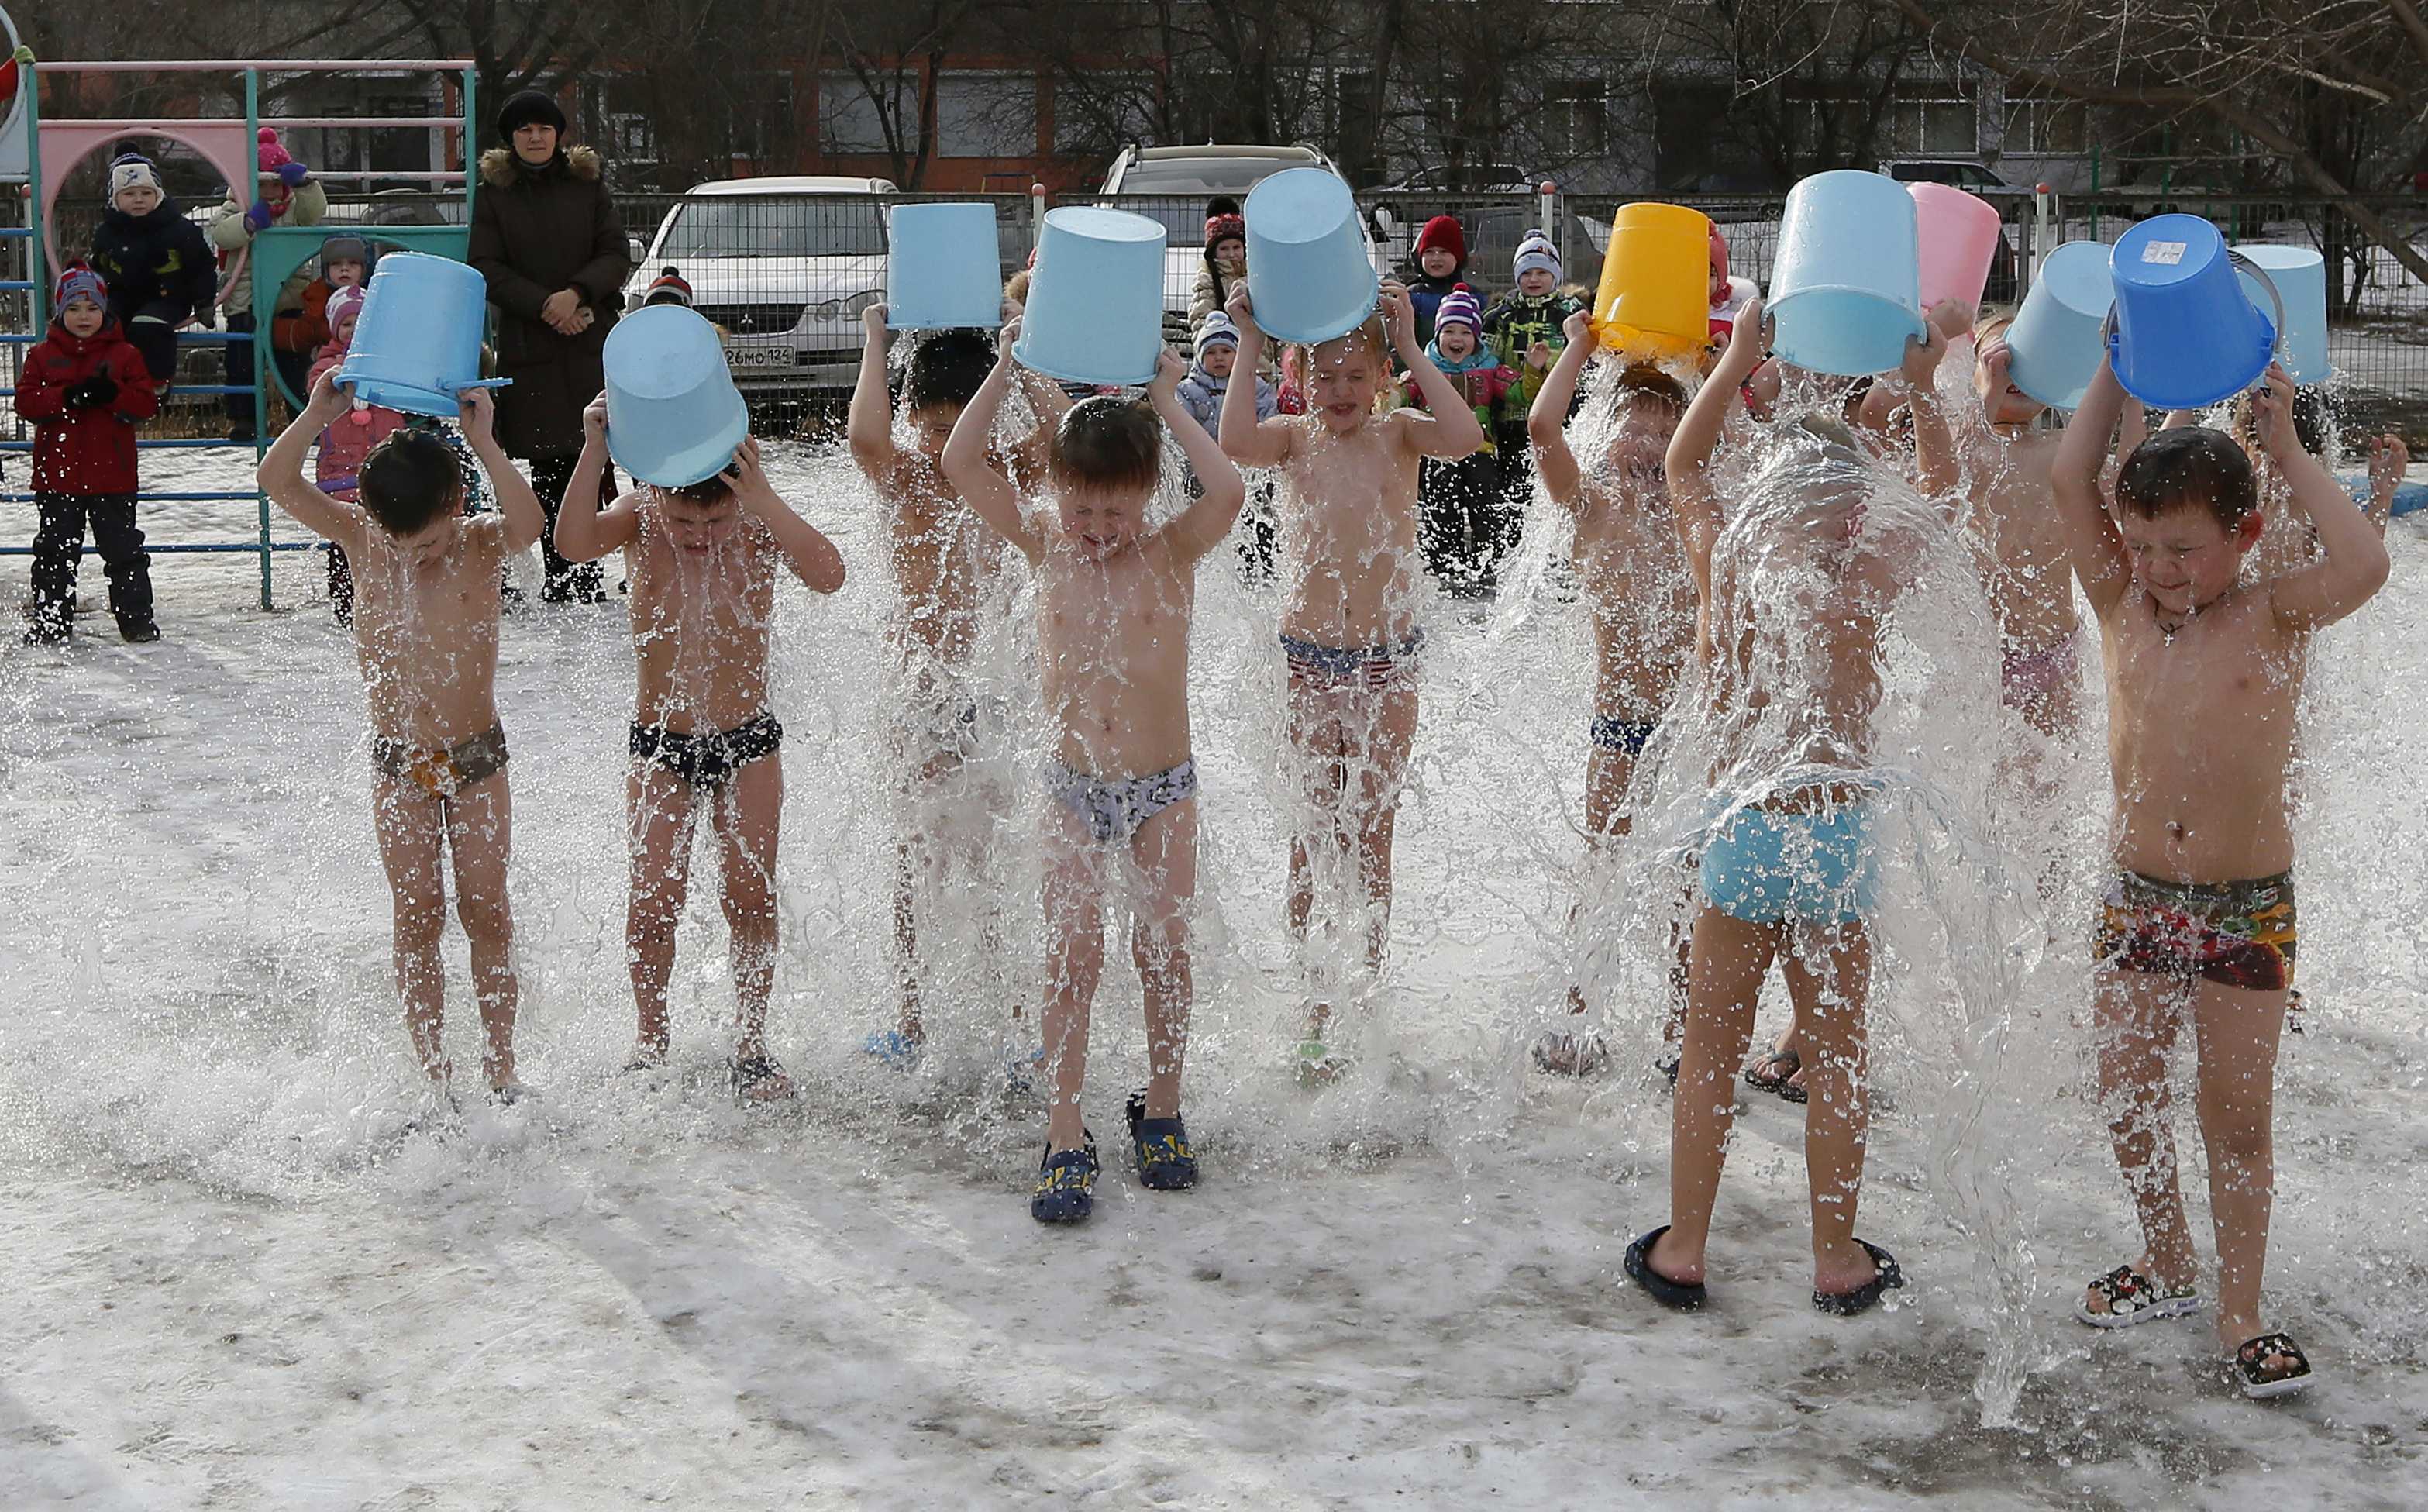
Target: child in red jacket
{"points": [[82, 389]]}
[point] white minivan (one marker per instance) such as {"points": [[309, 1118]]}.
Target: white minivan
{"points": [[784, 266]]}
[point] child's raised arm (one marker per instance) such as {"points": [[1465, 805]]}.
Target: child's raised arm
{"points": [[585, 532], [2389, 461], [2357, 562], [1688, 460], [1547, 421], [1450, 431], [476, 413], [1203, 525], [1247, 440], [869, 426], [805, 549], [966, 468], [281, 474], [2091, 536], [1934, 447]]}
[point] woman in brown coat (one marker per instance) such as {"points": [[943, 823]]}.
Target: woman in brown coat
{"points": [[546, 235]]}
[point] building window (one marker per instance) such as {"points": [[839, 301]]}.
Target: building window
{"points": [[1935, 123], [760, 116], [850, 121], [986, 115], [1579, 125], [2047, 126]]}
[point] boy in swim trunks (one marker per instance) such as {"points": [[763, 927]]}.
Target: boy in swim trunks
{"points": [[426, 635], [2022, 540], [702, 561], [1113, 606], [1348, 630], [942, 558], [2205, 672], [1793, 874], [1634, 577]]}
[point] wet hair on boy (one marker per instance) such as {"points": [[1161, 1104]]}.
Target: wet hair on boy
{"points": [[409, 480], [2190, 468], [1642, 381], [945, 368], [1106, 442]]}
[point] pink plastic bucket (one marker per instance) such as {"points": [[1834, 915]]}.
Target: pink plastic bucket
{"points": [[1959, 238]]}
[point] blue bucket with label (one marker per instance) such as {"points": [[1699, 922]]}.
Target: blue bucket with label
{"points": [[1309, 276], [2187, 335], [2298, 277], [1846, 290], [2056, 341], [416, 344], [942, 271], [1095, 298], [674, 416]]}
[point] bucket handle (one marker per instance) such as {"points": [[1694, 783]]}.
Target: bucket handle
{"points": [[2276, 336]]}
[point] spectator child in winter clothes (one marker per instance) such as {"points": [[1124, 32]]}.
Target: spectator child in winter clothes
{"points": [[1464, 525], [82, 389], [1526, 331], [1440, 268], [158, 266], [1201, 394], [286, 194], [1728, 294], [345, 263], [1226, 265], [338, 460]]}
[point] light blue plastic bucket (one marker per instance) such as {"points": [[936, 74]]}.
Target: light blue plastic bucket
{"points": [[2298, 277], [940, 272], [2056, 341], [1846, 289], [417, 341], [1095, 298], [1309, 276], [2187, 335], [674, 416]]}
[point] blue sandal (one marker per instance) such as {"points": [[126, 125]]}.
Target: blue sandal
{"points": [[1066, 1185], [1165, 1162]]}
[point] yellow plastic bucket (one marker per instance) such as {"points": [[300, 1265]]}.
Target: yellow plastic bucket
{"points": [[1655, 299]]}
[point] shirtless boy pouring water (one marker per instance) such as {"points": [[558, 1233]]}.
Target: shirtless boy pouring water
{"points": [[703, 561], [426, 633], [2205, 672], [1115, 604], [1635, 576], [1349, 631]]}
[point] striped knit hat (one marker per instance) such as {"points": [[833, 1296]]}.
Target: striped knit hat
{"points": [[133, 171], [344, 304], [78, 281], [1215, 328], [1459, 307]]}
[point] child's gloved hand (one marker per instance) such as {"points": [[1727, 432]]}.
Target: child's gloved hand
{"points": [[92, 393], [294, 176], [257, 217]]}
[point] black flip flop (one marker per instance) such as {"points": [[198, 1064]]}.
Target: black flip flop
{"points": [[1863, 1298], [1779, 1086], [747, 1074], [2250, 1374], [1685, 1296]]}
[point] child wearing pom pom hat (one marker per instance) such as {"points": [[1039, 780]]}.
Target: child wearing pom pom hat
{"points": [[284, 193], [1440, 268], [1463, 526]]}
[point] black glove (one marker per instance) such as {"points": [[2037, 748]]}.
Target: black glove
{"points": [[92, 393]]}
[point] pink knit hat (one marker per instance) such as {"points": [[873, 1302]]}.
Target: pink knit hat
{"points": [[343, 305], [271, 154]]}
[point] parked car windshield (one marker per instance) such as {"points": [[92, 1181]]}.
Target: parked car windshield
{"points": [[1200, 175], [775, 226]]}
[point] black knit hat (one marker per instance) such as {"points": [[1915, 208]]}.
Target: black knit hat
{"points": [[524, 108]]}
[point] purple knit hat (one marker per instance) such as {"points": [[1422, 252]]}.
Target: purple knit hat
{"points": [[1459, 307]]}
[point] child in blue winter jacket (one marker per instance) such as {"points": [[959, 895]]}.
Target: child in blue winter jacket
{"points": [[1201, 394]]}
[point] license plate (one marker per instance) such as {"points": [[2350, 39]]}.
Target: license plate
{"points": [[758, 357]]}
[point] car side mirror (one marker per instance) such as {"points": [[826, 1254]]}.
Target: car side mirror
{"points": [[634, 251], [1385, 220]]}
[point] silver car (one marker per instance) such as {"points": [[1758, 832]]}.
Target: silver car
{"points": [[784, 267]]}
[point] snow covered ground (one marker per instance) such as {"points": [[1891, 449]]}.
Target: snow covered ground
{"points": [[234, 1281]]}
